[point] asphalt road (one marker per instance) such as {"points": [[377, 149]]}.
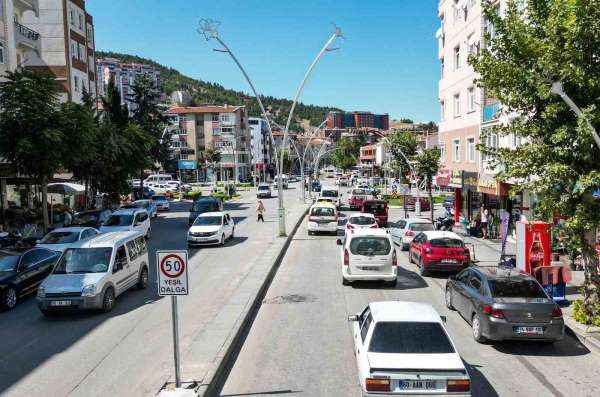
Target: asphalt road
{"points": [[301, 344], [128, 352]]}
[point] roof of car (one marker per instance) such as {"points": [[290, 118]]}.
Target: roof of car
{"points": [[441, 234], [404, 311], [107, 239], [503, 273], [366, 232], [323, 204], [128, 211], [214, 213], [74, 229]]}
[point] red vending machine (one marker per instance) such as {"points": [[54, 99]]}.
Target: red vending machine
{"points": [[533, 245]]}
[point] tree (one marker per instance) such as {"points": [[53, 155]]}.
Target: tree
{"points": [[403, 148], [211, 156], [556, 40], [346, 152], [30, 136], [406, 120], [428, 164]]}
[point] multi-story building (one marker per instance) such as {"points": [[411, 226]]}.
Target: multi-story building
{"points": [[18, 42], [341, 120], [124, 75], [224, 128], [261, 147]]}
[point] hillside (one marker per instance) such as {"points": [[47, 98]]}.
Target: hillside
{"points": [[205, 92]]}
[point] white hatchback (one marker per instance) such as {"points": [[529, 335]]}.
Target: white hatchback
{"points": [[128, 219], [211, 228], [403, 348], [368, 255], [62, 238], [405, 230]]}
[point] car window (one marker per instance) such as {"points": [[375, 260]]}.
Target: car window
{"points": [[401, 224], [8, 262], [141, 245], [447, 243], [420, 238], [143, 216], [90, 233], [329, 193], [119, 220], [370, 246], [121, 256], [362, 220], [410, 338], [358, 192], [365, 326], [322, 211], [29, 258], [60, 238], [132, 249], [475, 282], [375, 208], [507, 288], [225, 221], [421, 227], [228, 217], [463, 277]]}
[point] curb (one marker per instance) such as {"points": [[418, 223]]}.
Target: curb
{"points": [[584, 337], [212, 385]]}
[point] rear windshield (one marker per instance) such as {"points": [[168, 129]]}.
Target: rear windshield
{"points": [[329, 193], [409, 337], [119, 220], [375, 208], [362, 220], [446, 243], [358, 191], [322, 211], [370, 246], [421, 227], [60, 238], [200, 206], [159, 198], [263, 187], [516, 289]]}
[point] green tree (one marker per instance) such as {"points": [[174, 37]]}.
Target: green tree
{"points": [[427, 166], [211, 157], [554, 40], [30, 135], [347, 152], [403, 147]]}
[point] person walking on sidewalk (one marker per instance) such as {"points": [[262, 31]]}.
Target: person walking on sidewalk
{"points": [[260, 209], [484, 222]]}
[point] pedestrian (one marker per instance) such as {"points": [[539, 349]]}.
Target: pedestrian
{"points": [[260, 209], [484, 222], [491, 220]]}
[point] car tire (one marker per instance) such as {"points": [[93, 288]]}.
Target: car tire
{"points": [[222, 243], [476, 324], [9, 298], [345, 282], [143, 278], [448, 298], [422, 269], [404, 246], [108, 300]]}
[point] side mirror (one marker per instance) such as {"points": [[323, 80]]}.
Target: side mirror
{"points": [[443, 318], [339, 242], [352, 317]]}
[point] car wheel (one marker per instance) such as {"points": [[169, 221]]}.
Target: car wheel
{"points": [[222, 243], [108, 301], [449, 299], [143, 280], [404, 247], [476, 324], [422, 269], [345, 282], [9, 298]]}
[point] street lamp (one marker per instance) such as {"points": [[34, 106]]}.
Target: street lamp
{"points": [[557, 89]]}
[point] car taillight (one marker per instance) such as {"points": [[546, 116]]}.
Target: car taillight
{"points": [[374, 226], [349, 226], [557, 313], [346, 258], [458, 385], [409, 233], [377, 384], [496, 313]]}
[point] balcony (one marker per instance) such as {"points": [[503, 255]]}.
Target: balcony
{"points": [[28, 5], [491, 112], [27, 38]]}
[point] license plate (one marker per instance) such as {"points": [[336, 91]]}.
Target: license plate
{"points": [[370, 268], [417, 385], [448, 260], [60, 303], [530, 330]]}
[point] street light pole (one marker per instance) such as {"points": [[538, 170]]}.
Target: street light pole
{"points": [[310, 137]]}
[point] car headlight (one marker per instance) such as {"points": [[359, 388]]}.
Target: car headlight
{"points": [[41, 292], [88, 290]]}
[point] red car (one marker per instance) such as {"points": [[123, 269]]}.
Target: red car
{"points": [[410, 203], [439, 251], [357, 196], [378, 208]]}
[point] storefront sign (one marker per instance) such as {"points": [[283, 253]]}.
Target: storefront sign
{"points": [[187, 164], [455, 179], [469, 179]]}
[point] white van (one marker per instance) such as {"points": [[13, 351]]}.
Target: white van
{"points": [[158, 179], [92, 273], [322, 217]]}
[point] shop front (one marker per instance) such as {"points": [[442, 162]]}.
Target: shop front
{"points": [[470, 195]]}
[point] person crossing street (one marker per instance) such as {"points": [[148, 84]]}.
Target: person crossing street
{"points": [[260, 209]]}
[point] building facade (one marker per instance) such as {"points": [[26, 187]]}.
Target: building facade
{"points": [[345, 120], [261, 148]]}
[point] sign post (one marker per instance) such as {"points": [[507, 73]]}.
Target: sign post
{"points": [[173, 281]]}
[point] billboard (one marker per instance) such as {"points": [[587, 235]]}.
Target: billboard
{"points": [[187, 164]]}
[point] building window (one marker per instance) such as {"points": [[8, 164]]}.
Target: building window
{"points": [[471, 100], [471, 150], [442, 110], [516, 141], [76, 84], [81, 21], [442, 151], [215, 117], [82, 56], [490, 140], [1, 54], [72, 15], [442, 67], [89, 35], [456, 105], [73, 50], [456, 150], [457, 57]]}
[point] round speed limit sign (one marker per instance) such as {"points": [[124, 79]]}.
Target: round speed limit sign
{"points": [[172, 272]]}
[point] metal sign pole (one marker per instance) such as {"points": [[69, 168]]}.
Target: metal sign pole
{"points": [[176, 340]]}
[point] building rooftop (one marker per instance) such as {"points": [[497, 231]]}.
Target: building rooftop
{"points": [[203, 109]]}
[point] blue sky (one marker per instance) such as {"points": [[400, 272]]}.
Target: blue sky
{"points": [[387, 63]]}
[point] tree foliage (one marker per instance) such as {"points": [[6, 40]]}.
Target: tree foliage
{"points": [[403, 147], [346, 152], [427, 166]]}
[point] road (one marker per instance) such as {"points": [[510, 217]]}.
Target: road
{"points": [[301, 344], [128, 352]]}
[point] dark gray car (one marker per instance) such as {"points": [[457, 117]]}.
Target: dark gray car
{"points": [[503, 304]]}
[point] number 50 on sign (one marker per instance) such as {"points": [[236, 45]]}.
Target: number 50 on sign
{"points": [[172, 272]]}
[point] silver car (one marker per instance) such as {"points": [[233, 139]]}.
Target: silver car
{"points": [[503, 304]]}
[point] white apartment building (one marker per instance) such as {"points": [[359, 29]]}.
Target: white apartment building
{"points": [[18, 42], [261, 147]]}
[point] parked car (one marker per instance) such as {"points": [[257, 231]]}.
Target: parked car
{"points": [[91, 218], [148, 205], [379, 208], [368, 254], [504, 304], [361, 221], [322, 217], [202, 205], [357, 196], [61, 239], [161, 202], [403, 348], [410, 203], [93, 273], [439, 251], [405, 230], [211, 228], [263, 191], [22, 272], [128, 219], [332, 193]]}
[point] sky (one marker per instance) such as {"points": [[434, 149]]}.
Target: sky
{"points": [[387, 62]]}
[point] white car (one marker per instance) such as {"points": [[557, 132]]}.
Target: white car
{"points": [[322, 217], [211, 228], [161, 202], [403, 348], [128, 219], [405, 230], [62, 238], [368, 255]]}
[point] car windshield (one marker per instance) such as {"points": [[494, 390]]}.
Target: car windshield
{"points": [[446, 243], [159, 198], [358, 191], [60, 238], [8, 263], [84, 260], [202, 207], [410, 338], [370, 246], [329, 193], [207, 221], [85, 218], [361, 220], [119, 220], [421, 227], [322, 211], [375, 208], [142, 204], [263, 187], [506, 288]]}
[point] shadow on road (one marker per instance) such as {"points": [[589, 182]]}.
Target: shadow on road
{"points": [[406, 280], [263, 393], [568, 347], [480, 386]]}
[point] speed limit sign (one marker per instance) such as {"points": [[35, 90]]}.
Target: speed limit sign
{"points": [[172, 272]]}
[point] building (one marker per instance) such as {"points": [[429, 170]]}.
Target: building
{"points": [[345, 120], [261, 147], [18, 42], [224, 128], [124, 75]]}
